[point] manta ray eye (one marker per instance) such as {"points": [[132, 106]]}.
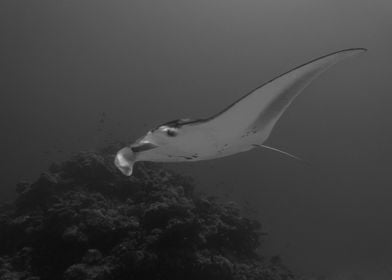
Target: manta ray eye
{"points": [[171, 132]]}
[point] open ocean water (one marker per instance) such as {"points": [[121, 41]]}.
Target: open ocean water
{"points": [[78, 75]]}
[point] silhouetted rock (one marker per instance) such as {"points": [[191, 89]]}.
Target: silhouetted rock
{"points": [[85, 220]]}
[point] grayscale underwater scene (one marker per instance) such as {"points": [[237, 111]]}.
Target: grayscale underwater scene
{"points": [[230, 140]]}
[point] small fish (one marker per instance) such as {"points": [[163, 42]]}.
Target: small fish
{"points": [[244, 125]]}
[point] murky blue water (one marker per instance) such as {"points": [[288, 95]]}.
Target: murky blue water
{"points": [[79, 74]]}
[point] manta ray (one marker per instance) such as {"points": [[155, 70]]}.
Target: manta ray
{"points": [[244, 125]]}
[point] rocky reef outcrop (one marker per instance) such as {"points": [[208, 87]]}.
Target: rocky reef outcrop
{"points": [[84, 220]]}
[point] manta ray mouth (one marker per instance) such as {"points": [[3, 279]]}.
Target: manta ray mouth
{"points": [[124, 161], [144, 146]]}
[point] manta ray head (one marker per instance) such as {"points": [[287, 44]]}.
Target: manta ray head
{"points": [[156, 145]]}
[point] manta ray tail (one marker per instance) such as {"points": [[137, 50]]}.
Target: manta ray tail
{"points": [[280, 151]]}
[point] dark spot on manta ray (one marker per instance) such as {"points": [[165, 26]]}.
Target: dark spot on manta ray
{"points": [[171, 132], [185, 157], [249, 132], [178, 123]]}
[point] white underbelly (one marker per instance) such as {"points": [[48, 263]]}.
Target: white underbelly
{"points": [[204, 150], [227, 149]]}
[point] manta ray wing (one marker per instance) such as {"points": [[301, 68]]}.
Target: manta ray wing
{"points": [[259, 110]]}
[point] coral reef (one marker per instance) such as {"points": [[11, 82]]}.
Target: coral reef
{"points": [[84, 220]]}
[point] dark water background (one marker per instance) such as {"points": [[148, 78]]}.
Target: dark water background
{"points": [[78, 74]]}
